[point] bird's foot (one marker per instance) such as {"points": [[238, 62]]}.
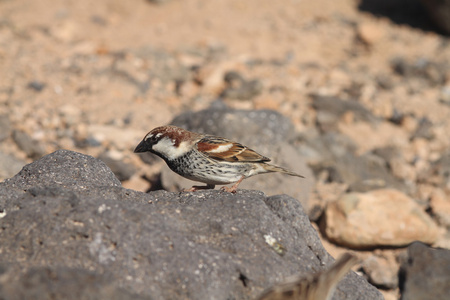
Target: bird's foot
{"points": [[229, 189], [232, 189]]}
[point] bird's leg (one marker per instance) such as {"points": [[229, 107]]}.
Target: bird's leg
{"points": [[233, 188], [201, 187]]}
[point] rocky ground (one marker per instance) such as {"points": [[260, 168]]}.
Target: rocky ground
{"points": [[354, 95]]}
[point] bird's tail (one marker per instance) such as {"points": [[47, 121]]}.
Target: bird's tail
{"points": [[273, 168]]}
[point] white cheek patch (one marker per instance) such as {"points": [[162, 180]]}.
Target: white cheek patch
{"points": [[166, 147], [221, 148]]}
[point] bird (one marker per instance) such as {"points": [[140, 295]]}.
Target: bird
{"points": [[320, 286], [204, 158]]}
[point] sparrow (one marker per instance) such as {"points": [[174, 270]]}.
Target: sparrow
{"points": [[320, 286], [206, 158]]}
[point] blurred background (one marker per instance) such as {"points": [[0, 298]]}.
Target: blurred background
{"points": [[363, 85]]}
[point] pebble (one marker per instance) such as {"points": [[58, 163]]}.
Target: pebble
{"points": [[36, 85], [382, 272], [26, 143], [384, 217], [370, 33]]}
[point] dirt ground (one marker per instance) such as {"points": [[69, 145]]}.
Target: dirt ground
{"points": [[77, 72]]}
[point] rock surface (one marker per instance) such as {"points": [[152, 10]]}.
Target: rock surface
{"points": [[378, 218], [426, 273], [68, 225]]}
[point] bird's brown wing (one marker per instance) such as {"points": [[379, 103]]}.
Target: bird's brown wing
{"points": [[225, 150]]}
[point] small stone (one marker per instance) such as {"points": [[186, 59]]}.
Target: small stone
{"points": [[359, 220], [382, 272], [36, 85], [369, 33], [27, 144]]}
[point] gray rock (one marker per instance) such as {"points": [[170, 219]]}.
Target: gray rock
{"points": [[66, 216], [259, 127], [330, 110], [60, 283], [68, 169], [335, 153], [364, 173], [265, 131], [426, 273], [33, 149], [319, 148]]}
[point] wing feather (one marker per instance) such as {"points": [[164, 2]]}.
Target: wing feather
{"points": [[225, 150]]}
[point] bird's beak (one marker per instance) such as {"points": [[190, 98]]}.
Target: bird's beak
{"points": [[142, 147]]}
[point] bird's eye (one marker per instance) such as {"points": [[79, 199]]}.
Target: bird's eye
{"points": [[153, 138], [150, 138]]}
